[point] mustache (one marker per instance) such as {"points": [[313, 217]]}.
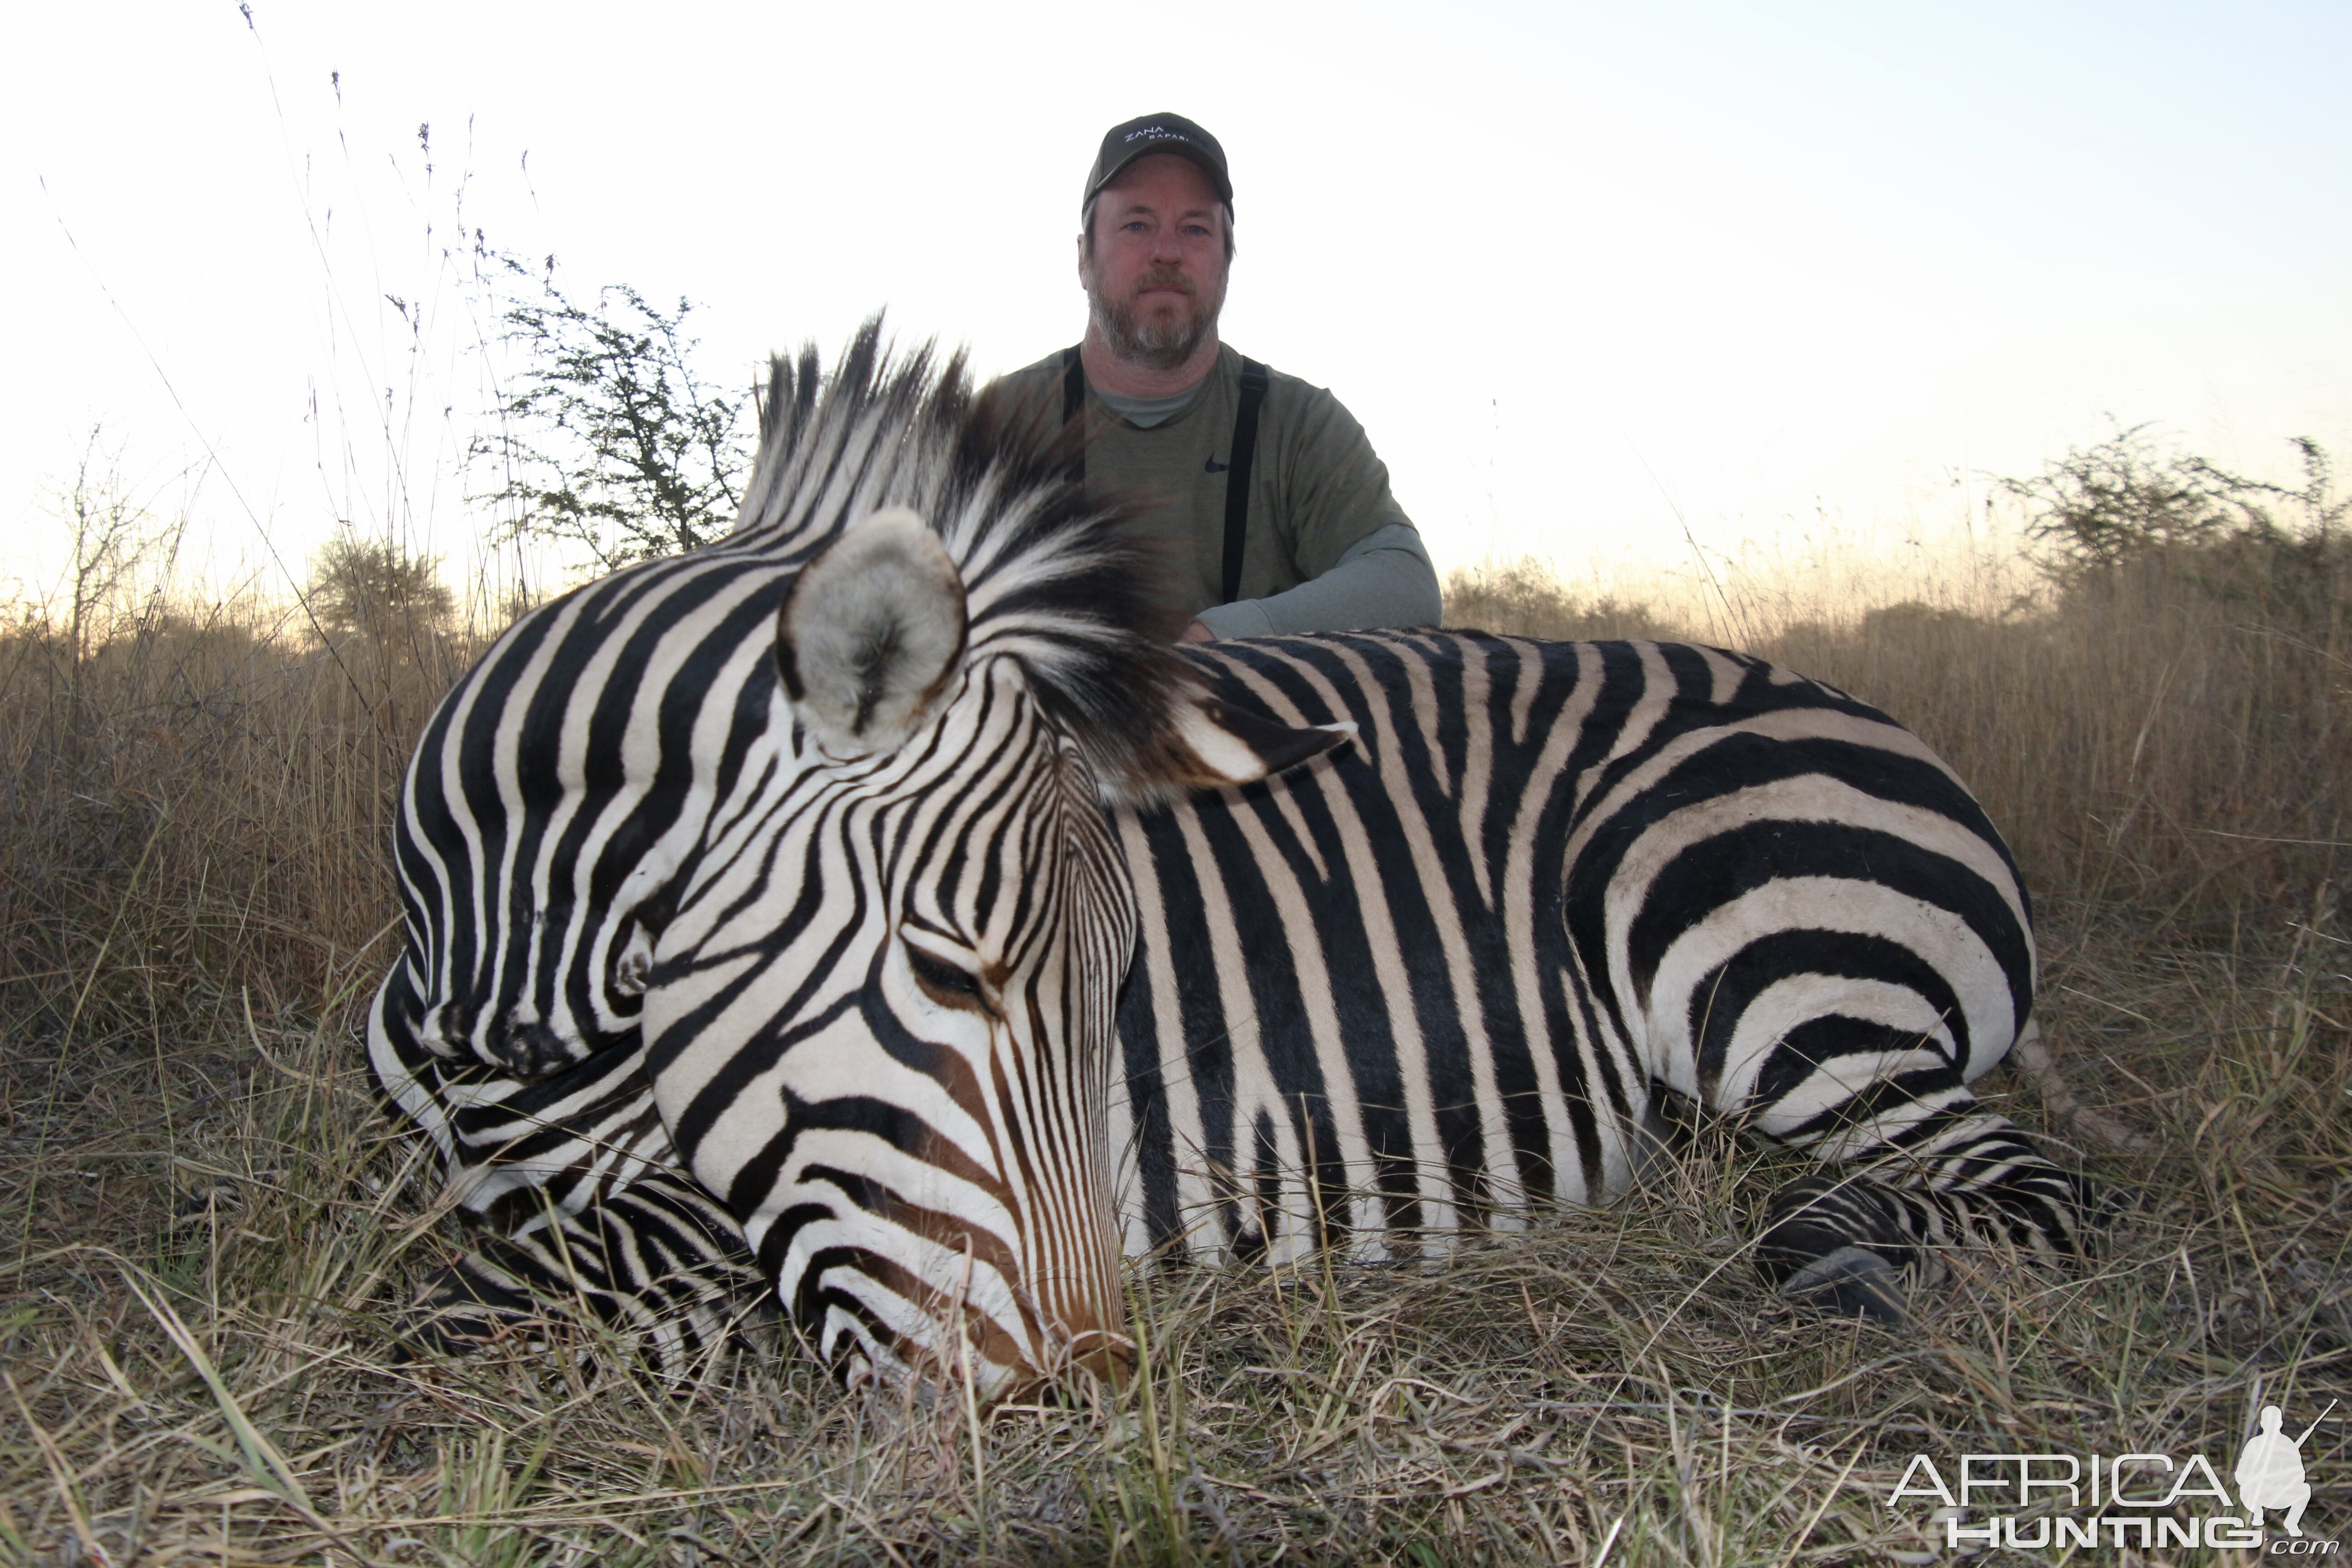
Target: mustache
{"points": [[1164, 277]]}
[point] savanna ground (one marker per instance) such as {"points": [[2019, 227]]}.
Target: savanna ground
{"points": [[209, 1227]]}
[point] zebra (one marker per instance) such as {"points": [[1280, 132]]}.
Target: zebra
{"points": [[552, 796], [899, 927], [561, 787]]}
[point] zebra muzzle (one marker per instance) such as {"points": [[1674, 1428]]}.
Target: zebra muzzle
{"points": [[528, 1050]]}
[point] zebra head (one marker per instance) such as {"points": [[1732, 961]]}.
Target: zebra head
{"points": [[881, 1023]]}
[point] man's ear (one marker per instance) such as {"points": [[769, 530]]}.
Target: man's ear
{"points": [[872, 631]]}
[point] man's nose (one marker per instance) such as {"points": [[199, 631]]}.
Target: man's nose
{"points": [[1167, 245]]}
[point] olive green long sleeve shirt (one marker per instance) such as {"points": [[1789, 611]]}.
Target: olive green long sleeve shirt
{"points": [[1328, 548]]}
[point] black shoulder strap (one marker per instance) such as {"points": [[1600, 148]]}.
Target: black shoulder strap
{"points": [[1074, 383], [1237, 477], [1074, 403]]}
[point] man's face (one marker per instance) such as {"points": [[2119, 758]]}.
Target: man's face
{"points": [[1155, 278]]}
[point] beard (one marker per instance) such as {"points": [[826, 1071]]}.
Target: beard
{"points": [[1166, 336]]}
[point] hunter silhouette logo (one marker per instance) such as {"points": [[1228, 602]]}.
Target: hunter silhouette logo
{"points": [[2151, 1501], [2270, 1470]]}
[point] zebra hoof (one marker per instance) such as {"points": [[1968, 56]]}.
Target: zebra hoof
{"points": [[1852, 1282], [460, 1310]]}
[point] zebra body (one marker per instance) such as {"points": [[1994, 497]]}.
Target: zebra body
{"points": [[1445, 975], [873, 909]]}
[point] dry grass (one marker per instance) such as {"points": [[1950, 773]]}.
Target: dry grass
{"points": [[210, 1222], [221, 1386]]}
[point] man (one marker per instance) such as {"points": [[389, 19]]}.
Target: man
{"points": [[1275, 510]]}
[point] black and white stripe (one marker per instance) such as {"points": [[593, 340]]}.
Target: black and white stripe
{"points": [[571, 789], [553, 799], [1448, 972], [885, 871]]}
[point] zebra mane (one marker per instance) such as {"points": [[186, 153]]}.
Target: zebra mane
{"points": [[1052, 578]]}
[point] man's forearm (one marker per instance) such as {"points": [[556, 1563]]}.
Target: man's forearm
{"points": [[1385, 579]]}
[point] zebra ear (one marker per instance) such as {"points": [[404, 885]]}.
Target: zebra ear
{"points": [[1217, 744], [871, 632]]}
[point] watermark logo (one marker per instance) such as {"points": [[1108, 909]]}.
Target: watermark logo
{"points": [[2148, 1501], [2269, 1471]]}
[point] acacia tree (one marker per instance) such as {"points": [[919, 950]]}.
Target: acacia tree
{"points": [[375, 588], [607, 438], [2132, 496]]}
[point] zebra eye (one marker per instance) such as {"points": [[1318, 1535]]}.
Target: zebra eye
{"points": [[947, 983]]}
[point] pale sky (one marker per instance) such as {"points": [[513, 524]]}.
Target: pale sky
{"points": [[1576, 268]]}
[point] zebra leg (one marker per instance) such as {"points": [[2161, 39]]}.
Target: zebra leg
{"points": [[1926, 1169], [659, 1262], [581, 1209]]}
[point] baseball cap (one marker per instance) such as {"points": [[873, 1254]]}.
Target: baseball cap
{"points": [[1124, 144]]}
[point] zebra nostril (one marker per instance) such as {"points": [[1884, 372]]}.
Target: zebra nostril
{"points": [[528, 1050]]}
